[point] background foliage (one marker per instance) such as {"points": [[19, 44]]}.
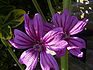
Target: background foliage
{"points": [[11, 17]]}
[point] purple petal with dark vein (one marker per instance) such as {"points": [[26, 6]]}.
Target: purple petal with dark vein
{"points": [[72, 21], [76, 43], [65, 18], [29, 26], [78, 27], [21, 40], [21, 35], [29, 58], [59, 47], [19, 46], [38, 25], [51, 34], [47, 27], [76, 52], [61, 53], [47, 62], [57, 20], [57, 43], [57, 38]]}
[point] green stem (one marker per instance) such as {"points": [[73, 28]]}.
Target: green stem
{"points": [[64, 62], [64, 59], [38, 8], [50, 7], [67, 4], [12, 53]]}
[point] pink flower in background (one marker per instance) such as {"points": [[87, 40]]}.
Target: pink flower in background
{"points": [[37, 44], [71, 25]]}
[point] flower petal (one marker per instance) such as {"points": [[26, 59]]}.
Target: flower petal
{"points": [[29, 26], [47, 62], [65, 17], [61, 53], [76, 43], [71, 22], [50, 51], [51, 34], [59, 47], [76, 52], [29, 58], [56, 44], [57, 20], [38, 25], [78, 27], [21, 40], [47, 27]]}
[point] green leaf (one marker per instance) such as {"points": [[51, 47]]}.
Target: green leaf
{"points": [[56, 2], [14, 18], [6, 33], [0, 34], [1, 20]]}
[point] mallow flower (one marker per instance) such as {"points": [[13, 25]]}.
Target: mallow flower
{"points": [[70, 26], [36, 44]]}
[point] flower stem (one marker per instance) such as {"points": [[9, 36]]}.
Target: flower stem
{"points": [[50, 7], [67, 4], [64, 59], [12, 53], [38, 8], [64, 62]]}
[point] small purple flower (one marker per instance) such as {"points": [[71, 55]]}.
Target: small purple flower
{"points": [[70, 25], [37, 44]]}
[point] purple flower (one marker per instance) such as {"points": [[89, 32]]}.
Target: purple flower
{"points": [[37, 44], [71, 26]]}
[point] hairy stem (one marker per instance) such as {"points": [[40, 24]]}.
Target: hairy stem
{"points": [[50, 7], [67, 4], [64, 59], [12, 53], [38, 8], [64, 62]]}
